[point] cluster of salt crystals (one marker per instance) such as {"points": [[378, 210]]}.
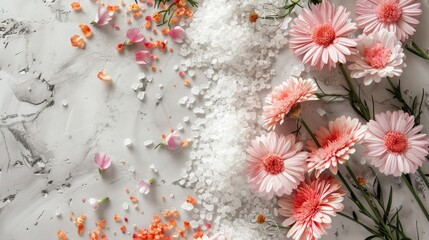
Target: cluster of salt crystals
{"points": [[237, 57]]}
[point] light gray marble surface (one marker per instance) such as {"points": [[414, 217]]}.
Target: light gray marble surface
{"points": [[46, 149]]}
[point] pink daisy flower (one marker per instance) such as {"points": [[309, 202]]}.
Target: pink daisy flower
{"points": [[394, 145], [398, 16], [284, 100], [319, 35], [309, 208], [380, 55], [275, 165], [336, 144]]}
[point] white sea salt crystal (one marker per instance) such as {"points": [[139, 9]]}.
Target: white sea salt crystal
{"points": [[160, 85], [195, 90], [158, 96], [186, 119], [179, 127], [183, 100], [141, 76], [148, 143], [193, 224], [175, 67], [321, 112], [153, 168], [135, 86], [125, 206], [171, 195], [141, 95], [58, 214], [128, 142], [149, 79], [65, 103], [187, 206], [198, 111]]}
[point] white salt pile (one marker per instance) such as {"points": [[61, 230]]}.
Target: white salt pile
{"points": [[236, 56]]}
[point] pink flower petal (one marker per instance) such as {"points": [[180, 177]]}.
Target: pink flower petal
{"points": [[102, 160], [143, 57], [134, 35], [102, 17], [173, 140], [177, 34]]}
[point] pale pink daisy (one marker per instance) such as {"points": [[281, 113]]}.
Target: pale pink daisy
{"points": [[320, 35], [284, 100], [398, 16], [380, 55], [275, 165], [309, 208], [336, 144], [394, 145]]}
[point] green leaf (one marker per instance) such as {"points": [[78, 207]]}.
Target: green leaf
{"points": [[371, 237], [389, 204]]}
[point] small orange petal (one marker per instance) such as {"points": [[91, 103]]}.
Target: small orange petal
{"points": [[134, 7], [61, 235], [147, 24], [86, 30], [186, 82], [102, 76], [137, 15], [75, 6], [165, 31], [77, 41], [123, 229], [117, 218], [133, 199]]}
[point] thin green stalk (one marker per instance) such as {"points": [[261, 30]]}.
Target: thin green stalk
{"points": [[370, 203], [309, 132], [415, 49], [363, 225], [408, 183]]}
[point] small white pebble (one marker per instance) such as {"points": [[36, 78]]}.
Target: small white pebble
{"points": [[58, 213], [65, 103], [141, 95], [158, 96], [148, 143], [128, 142], [161, 85], [186, 119], [171, 195], [135, 86]]}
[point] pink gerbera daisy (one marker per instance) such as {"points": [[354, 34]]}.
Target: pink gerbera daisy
{"points": [[394, 145], [398, 16], [284, 100], [275, 165], [380, 55], [320, 35], [309, 208], [336, 144]]}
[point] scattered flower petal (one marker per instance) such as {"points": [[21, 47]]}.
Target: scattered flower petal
{"points": [[177, 34], [143, 57], [77, 41]]}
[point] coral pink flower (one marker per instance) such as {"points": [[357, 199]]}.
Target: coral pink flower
{"points": [[275, 165], [102, 18], [394, 145], [173, 140], [284, 100], [134, 35], [177, 34], [319, 35], [398, 16], [336, 144], [102, 160], [143, 57], [309, 208], [380, 55]]}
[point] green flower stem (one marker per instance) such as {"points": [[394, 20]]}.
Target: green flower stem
{"points": [[408, 183], [363, 225], [423, 177], [152, 180], [371, 204], [103, 200], [415, 49], [361, 108]]}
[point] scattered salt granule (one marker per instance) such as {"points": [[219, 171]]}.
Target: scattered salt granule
{"points": [[135, 86], [125, 206], [153, 168], [141, 95], [65, 103], [160, 85], [58, 214], [128, 142], [186, 119], [142, 76], [148, 143], [187, 206], [321, 112]]}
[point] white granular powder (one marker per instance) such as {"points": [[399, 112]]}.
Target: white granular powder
{"points": [[236, 56]]}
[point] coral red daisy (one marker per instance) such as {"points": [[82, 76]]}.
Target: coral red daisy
{"points": [[275, 164], [320, 35], [394, 145], [336, 144], [380, 55], [284, 100], [398, 16], [309, 208]]}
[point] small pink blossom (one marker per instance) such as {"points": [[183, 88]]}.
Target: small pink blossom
{"points": [[173, 140], [144, 185], [177, 34], [134, 35], [102, 160], [95, 203], [143, 57], [103, 17]]}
